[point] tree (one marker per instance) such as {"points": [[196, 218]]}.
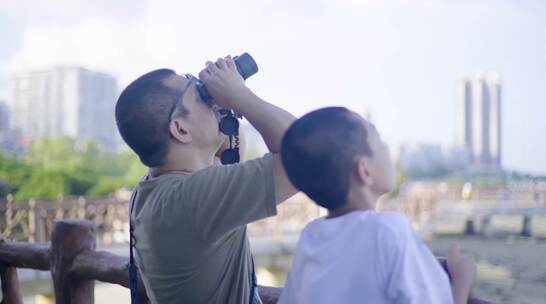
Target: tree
{"points": [[62, 166]]}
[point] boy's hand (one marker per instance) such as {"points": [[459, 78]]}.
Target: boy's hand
{"points": [[462, 268], [225, 85]]}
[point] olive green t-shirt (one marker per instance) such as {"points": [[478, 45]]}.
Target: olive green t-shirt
{"points": [[190, 235]]}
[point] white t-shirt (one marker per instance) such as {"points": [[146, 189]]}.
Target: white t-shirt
{"points": [[364, 257]]}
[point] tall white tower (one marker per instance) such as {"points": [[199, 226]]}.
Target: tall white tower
{"points": [[479, 118]]}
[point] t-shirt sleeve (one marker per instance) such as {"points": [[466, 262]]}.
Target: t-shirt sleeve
{"points": [[410, 272], [221, 198]]}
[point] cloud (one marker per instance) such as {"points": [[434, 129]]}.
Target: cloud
{"points": [[67, 12], [398, 58]]}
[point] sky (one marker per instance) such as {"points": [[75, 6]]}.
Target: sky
{"points": [[400, 59]]}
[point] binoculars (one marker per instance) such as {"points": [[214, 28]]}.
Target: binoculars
{"points": [[246, 66], [229, 125]]}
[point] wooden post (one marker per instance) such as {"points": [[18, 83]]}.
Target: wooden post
{"points": [[11, 291], [469, 227], [31, 221], [81, 207], [70, 238], [486, 223], [59, 214], [41, 229], [9, 215], [526, 229]]}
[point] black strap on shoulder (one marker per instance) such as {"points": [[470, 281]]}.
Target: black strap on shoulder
{"points": [[252, 283], [133, 271], [133, 283]]}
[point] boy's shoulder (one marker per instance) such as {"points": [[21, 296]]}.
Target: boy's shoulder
{"points": [[387, 230], [392, 218], [395, 222]]}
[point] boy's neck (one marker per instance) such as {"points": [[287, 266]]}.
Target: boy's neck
{"points": [[359, 200], [343, 211]]}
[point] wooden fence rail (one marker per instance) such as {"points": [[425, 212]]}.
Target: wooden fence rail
{"points": [[74, 265], [72, 260]]}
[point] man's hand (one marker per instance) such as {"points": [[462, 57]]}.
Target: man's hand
{"points": [[462, 268], [228, 89], [224, 83]]}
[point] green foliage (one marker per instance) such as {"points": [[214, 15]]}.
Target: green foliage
{"points": [[435, 171], [62, 166], [490, 180], [13, 173], [45, 184], [106, 185]]}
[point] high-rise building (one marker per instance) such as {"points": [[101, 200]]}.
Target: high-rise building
{"points": [[69, 101], [424, 160], [479, 119], [4, 119]]}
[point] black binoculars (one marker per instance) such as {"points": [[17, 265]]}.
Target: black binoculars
{"points": [[246, 66], [229, 125]]}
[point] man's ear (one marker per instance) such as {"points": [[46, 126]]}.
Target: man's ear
{"points": [[362, 173], [179, 131]]}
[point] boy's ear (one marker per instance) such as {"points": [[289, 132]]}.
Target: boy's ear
{"points": [[362, 173], [179, 130]]}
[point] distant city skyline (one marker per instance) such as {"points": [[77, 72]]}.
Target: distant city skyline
{"points": [[399, 58], [65, 100], [4, 119]]}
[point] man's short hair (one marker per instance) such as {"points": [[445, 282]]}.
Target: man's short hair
{"points": [[142, 115], [319, 151]]}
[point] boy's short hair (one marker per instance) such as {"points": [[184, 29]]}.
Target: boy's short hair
{"points": [[319, 150], [142, 115]]}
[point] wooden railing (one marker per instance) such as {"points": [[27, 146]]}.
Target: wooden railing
{"points": [[72, 260], [71, 254], [32, 220], [74, 264]]}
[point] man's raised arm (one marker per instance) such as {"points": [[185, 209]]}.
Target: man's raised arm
{"points": [[228, 89]]}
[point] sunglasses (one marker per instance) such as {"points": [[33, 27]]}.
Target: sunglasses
{"points": [[228, 123]]}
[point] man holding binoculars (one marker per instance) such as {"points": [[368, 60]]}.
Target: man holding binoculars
{"points": [[188, 215]]}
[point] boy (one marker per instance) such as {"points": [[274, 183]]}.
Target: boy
{"points": [[355, 254]]}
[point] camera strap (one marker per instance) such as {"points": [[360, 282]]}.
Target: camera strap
{"points": [[133, 271], [253, 284]]}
